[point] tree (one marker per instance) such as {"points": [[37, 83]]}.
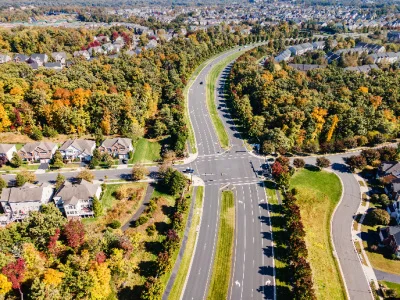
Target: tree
{"points": [[384, 200], [4, 120], [53, 277], [97, 207], [139, 172], [356, 162], [169, 156], [74, 232], [370, 155], [59, 181], [57, 160], [86, 175], [16, 160], [15, 272], [108, 160], [267, 147], [25, 176], [378, 216], [323, 162], [99, 137], [94, 162], [3, 184], [299, 163], [5, 285]]}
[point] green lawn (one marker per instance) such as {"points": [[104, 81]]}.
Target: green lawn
{"points": [[391, 285], [146, 151], [180, 278], [212, 108], [318, 194], [223, 256], [282, 279]]}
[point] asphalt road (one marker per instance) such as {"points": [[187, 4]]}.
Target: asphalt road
{"points": [[252, 272], [356, 282]]}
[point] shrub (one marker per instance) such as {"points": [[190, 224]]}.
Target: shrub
{"points": [[16, 160], [139, 172], [299, 163], [36, 134], [49, 131], [384, 200], [114, 224], [142, 219], [323, 162], [86, 175], [151, 229], [25, 176]]}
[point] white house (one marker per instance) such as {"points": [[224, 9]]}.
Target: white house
{"points": [[301, 49], [76, 200], [78, 149], [4, 58], [18, 202], [283, 56], [7, 150], [59, 57], [83, 53]]}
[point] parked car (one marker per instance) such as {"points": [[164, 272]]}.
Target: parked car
{"points": [[188, 170], [124, 161], [201, 82]]}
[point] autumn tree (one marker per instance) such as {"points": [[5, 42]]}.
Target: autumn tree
{"points": [[57, 160], [97, 207], [86, 175], [139, 172], [15, 272], [323, 162], [299, 163], [356, 162], [74, 233], [24, 177], [16, 160], [5, 285], [60, 179]]}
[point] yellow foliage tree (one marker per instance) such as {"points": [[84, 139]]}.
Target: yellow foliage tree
{"points": [[363, 89], [106, 123], [80, 97], [318, 114], [53, 277], [376, 101], [33, 260], [4, 120], [101, 277], [335, 121], [5, 285]]}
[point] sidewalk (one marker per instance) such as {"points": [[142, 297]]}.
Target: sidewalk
{"points": [[356, 235]]}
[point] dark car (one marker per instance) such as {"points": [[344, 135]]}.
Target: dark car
{"points": [[124, 161], [188, 170], [201, 82]]}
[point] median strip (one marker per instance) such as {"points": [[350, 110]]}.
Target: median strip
{"points": [[223, 256], [211, 105]]}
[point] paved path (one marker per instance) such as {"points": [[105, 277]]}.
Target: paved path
{"points": [[387, 276], [183, 247], [136, 215]]}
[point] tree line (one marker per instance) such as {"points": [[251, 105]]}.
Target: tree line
{"points": [[323, 110]]}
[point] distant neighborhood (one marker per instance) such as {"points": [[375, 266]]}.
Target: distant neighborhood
{"points": [[73, 199]]}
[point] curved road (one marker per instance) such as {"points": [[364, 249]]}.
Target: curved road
{"points": [[252, 275]]}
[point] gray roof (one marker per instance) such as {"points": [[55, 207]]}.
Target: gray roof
{"points": [[390, 167], [39, 56], [395, 232], [4, 148], [79, 144], [55, 55], [363, 69], [305, 67], [111, 142], [53, 65], [72, 193], [29, 147], [26, 193]]}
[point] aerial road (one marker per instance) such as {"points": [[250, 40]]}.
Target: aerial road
{"points": [[252, 274]]}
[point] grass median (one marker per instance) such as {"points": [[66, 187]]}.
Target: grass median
{"points": [[210, 94], [223, 256], [318, 194], [183, 271]]}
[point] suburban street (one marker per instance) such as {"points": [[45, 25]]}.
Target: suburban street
{"points": [[252, 274]]}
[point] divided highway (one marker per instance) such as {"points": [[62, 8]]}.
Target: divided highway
{"points": [[253, 273]]}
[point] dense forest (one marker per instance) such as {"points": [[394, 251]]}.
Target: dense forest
{"points": [[323, 110]]}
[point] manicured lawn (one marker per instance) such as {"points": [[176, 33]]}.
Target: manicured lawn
{"points": [[223, 255], [282, 279], [146, 151], [180, 278], [212, 108], [318, 194]]}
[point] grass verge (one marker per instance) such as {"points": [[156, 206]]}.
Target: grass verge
{"points": [[180, 278], [223, 256], [282, 272], [210, 94], [391, 285], [146, 151], [318, 194]]}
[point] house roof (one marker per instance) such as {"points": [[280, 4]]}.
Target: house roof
{"points": [[38, 56], [4, 148], [57, 55], [111, 142], [72, 193], [395, 232], [26, 193], [390, 167], [53, 65], [31, 147], [85, 146]]}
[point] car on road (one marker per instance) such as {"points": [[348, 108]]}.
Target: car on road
{"points": [[271, 159], [125, 161], [201, 82], [219, 107], [188, 170]]}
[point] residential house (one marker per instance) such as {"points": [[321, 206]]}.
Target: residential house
{"points": [[17, 202], [319, 45], [93, 51], [7, 150], [283, 56], [83, 53], [301, 48], [385, 57], [40, 59], [305, 67], [76, 200], [363, 69], [370, 48], [119, 41], [108, 47], [393, 209], [38, 151], [60, 57], [151, 44], [20, 58], [390, 237], [102, 39], [4, 58], [117, 147], [78, 149], [388, 171], [53, 66], [393, 36]]}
